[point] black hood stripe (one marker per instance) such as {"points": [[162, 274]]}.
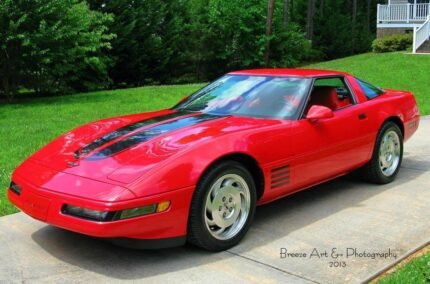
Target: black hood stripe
{"points": [[150, 133], [124, 131]]}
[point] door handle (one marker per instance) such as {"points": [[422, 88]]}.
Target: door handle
{"points": [[362, 116]]}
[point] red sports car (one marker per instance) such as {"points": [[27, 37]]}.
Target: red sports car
{"points": [[197, 171]]}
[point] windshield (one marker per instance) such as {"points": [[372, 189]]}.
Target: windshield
{"points": [[258, 96]]}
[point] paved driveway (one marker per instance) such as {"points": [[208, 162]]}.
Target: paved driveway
{"points": [[371, 226]]}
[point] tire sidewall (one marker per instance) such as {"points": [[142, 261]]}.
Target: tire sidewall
{"points": [[200, 230], [389, 126]]}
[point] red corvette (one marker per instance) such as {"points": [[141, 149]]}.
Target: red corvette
{"points": [[197, 171]]}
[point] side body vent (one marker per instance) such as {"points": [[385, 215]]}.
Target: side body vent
{"points": [[280, 176]]}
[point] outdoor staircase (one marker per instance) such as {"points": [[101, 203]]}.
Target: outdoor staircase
{"points": [[424, 48], [421, 42]]}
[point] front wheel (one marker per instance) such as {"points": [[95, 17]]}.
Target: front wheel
{"points": [[222, 208], [387, 155]]}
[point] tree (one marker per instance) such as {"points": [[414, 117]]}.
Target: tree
{"points": [[52, 46], [354, 12], [60, 46], [269, 24], [368, 11], [354, 23], [286, 11], [310, 19], [152, 40]]}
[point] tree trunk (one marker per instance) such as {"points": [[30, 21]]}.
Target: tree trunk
{"points": [[6, 79], [321, 8], [292, 10], [270, 8], [286, 12], [354, 13], [354, 23], [6, 89], [310, 19], [369, 3]]}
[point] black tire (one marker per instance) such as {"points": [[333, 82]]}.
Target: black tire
{"points": [[372, 171], [198, 233]]}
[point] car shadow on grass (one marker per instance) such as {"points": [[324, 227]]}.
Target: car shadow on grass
{"points": [[279, 218]]}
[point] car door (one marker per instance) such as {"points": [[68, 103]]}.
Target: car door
{"points": [[332, 146]]}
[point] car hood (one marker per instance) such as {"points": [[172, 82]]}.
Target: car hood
{"points": [[122, 149]]}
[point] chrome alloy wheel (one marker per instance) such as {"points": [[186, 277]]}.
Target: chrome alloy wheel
{"points": [[389, 153], [227, 206]]}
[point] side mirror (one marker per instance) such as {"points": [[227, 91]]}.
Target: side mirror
{"points": [[317, 112]]}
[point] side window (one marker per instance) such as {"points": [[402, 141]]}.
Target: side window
{"points": [[330, 82], [369, 90], [330, 92]]}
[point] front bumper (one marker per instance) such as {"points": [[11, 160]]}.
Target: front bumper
{"points": [[46, 205]]}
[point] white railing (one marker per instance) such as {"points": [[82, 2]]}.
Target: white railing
{"points": [[403, 12], [421, 34]]}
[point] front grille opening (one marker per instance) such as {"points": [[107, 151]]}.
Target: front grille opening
{"points": [[15, 188]]}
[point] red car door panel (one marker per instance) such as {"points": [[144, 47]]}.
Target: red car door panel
{"points": [[328, 147]]}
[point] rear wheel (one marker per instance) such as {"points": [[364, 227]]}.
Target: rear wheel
{"points": [[222, 208], [387, 155]]}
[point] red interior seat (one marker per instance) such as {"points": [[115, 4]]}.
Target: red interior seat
{"points": [[328, 97]]}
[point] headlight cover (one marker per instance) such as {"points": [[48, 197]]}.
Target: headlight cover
{"points": [[85, 213], [106, 216]]}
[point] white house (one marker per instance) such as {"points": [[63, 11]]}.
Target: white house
{"points": [[403, 16]]}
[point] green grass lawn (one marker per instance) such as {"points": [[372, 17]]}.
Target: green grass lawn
{"points": [[30, 123], [389, 70], [416, 271]]}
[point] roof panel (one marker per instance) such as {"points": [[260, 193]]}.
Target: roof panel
{"points": [[288, 72]]}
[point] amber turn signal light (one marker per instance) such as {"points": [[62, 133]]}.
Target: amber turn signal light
{"points": [[163, 206]]}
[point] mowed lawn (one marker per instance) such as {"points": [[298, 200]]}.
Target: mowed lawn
{"points": [[415, 271], [396, 70], [28, 124]]}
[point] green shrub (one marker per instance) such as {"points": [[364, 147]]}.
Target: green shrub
{"points": [[52, 46], [390, 43]]}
